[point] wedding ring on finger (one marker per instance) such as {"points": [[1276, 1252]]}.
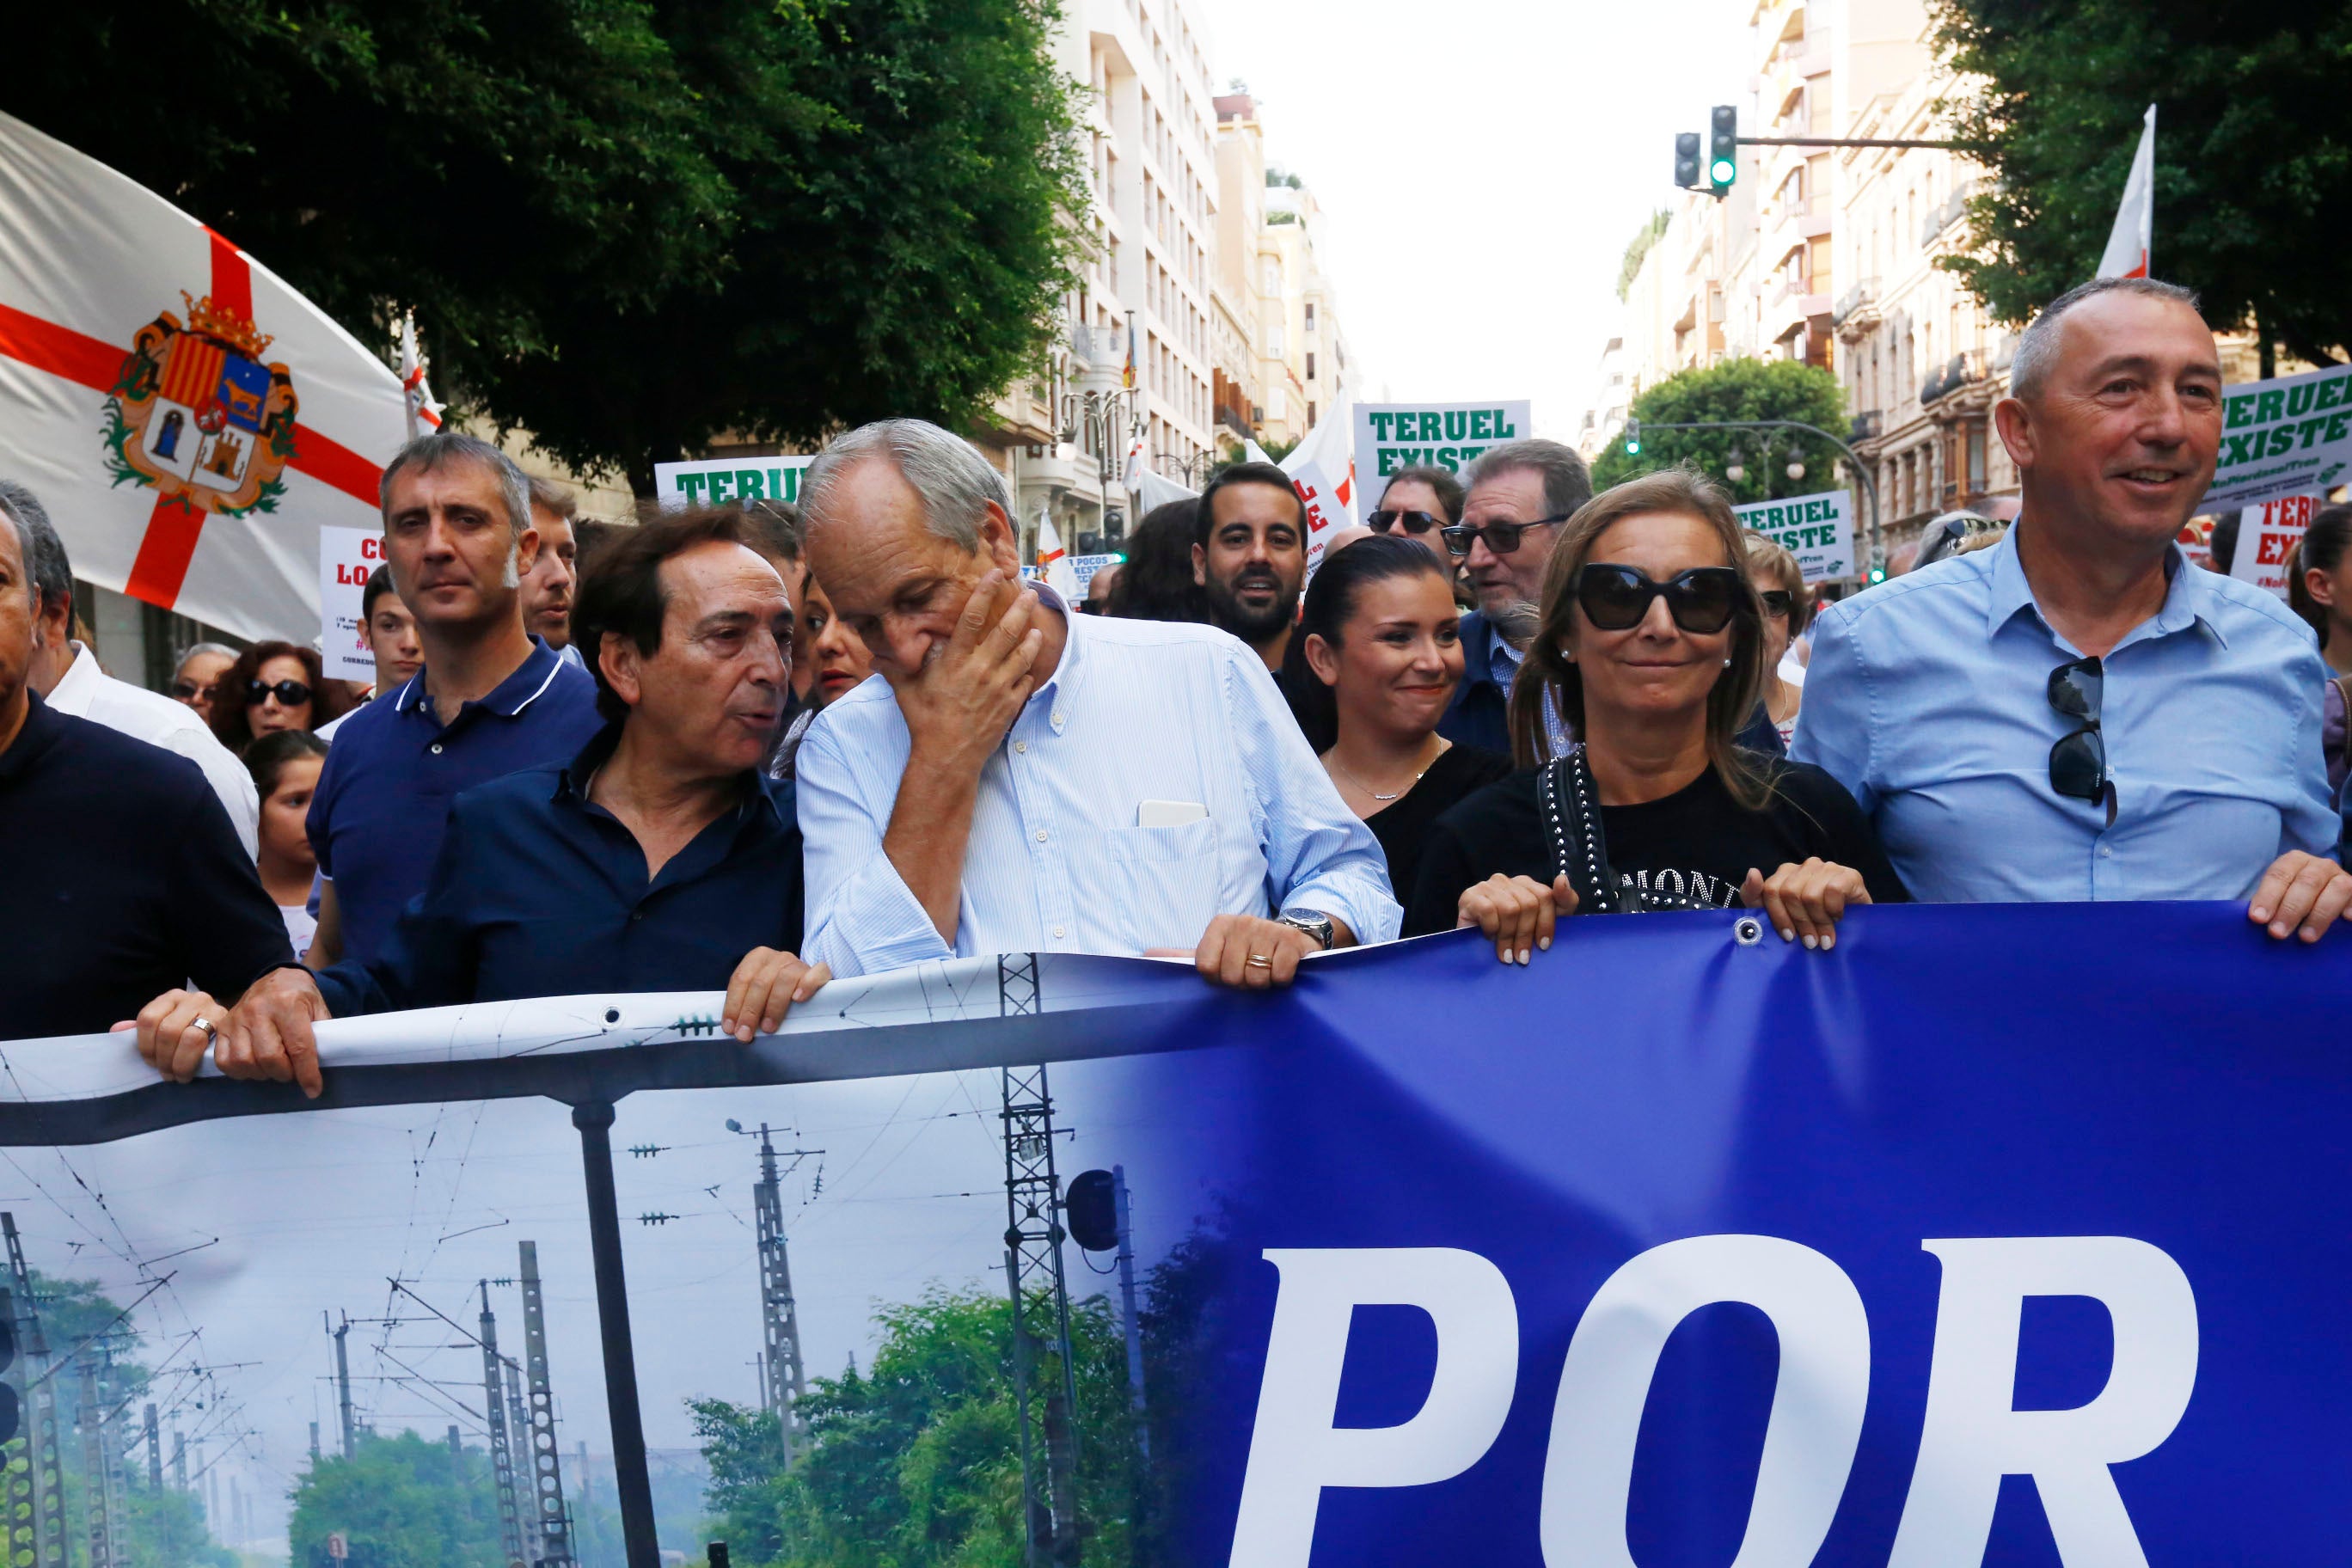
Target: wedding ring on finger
{"points": [[1260, 961], [211, 1031]]}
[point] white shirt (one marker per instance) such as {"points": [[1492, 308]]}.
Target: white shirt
{"points": [[85, 692], [1056, 862]]}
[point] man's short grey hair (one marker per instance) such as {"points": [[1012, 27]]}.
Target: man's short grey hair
{"points": [[1567, 482], [2037, 351], [954, 481], [47, 569], [427, 453], [546, 495]]}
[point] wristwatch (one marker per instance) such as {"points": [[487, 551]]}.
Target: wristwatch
{"points": [[1314, 922]]}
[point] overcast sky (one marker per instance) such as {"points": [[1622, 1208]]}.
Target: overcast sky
{"points": [[1482, 164]]}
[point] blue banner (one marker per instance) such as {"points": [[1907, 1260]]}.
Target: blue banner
{"points": [[2014, 1236]]}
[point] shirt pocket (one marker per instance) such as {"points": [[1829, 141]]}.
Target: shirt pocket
{"points": [[1159, 885]]}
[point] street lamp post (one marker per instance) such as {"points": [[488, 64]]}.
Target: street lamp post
{"points": [[1853, 459]]}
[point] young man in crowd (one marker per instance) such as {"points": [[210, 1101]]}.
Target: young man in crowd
{"points": [[68, 677], [85, 926], [1519, 495], [1250, 556], [1026, 780], [2077, 713], [391, 633], [535, 893], [490, 700], [554, 571]]}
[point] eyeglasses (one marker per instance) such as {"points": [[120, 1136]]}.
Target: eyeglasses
{"points": [[1413, 522], [1776, 600], [185, 689], [1701, 600], [290, 694], [1502, 537], [2078, 762]]}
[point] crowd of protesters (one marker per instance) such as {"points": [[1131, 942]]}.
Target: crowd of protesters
{"points": [[750, 749]]}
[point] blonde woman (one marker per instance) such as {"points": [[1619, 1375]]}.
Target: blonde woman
{"points": [[1788, 611]]}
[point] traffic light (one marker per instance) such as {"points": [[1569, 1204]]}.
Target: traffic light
{"points": [[1723, 148], [1633, 437], [1687, 161]]}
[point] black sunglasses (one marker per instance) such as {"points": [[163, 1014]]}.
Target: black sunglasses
{"points": [[291, 693], [1502, 537], [1701, 600], [1776, 600], [184, 689], [1414, 523], [2078, 762]]}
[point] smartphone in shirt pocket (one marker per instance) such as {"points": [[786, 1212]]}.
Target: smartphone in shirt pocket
{"points": [[1168, 813]]}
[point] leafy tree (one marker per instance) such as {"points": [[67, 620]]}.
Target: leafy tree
{"points": [[2253, 151], [402, 1503], [918, 1462], [624, 225], [1736, 389], [1637, 250]]}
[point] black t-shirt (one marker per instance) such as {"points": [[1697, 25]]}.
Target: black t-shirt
{"points": [[1402, 825], [1697, 843]]}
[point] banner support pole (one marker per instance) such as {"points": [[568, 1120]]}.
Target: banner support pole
{"points": [[630, 1479]]}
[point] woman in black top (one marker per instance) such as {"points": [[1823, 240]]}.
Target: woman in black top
{"points": [[1651, 643], [1382, 639]]}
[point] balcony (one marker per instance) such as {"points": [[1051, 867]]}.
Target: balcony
{"points": [[1945, 214], [1867, 427], [1961, 370], [1857, 311]]}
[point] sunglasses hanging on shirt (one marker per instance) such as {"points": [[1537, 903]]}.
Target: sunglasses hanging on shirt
{"points": [[2078, 762]]}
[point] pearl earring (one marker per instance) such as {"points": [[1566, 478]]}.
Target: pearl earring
{"points": [[1726, 664]]}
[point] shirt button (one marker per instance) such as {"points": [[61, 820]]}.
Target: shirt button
{"points": [[437, 748], [1041, 836], [1057, 719], [637, 914], [1057, 931], [2105, 853], [1020, 746]]}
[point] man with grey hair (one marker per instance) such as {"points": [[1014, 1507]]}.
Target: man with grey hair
{"points": [[491, 699], [2077, 713], [1023, 779], [122, 871], [67, 675], [1519, 495]]}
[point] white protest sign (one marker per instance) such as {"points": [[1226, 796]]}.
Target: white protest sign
{"points": [[716, 481], [1083, 567], [2267, 534], [1393, 435], [1323, 471], [2283, 437], [347, 558], [1817, 529]]}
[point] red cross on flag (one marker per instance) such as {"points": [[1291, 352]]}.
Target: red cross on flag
{"points": [[189, 420]]}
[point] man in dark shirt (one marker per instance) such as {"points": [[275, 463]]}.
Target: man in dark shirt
{"points": [[120, 873], [491, 699], [650, 863]]}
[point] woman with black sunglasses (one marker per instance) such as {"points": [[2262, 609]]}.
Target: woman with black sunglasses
{"points": [[273, 685], [1651, 645]]}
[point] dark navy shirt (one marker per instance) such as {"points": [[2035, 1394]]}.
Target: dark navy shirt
{"points": [[395, 767], [538, 891], [120, 878]]}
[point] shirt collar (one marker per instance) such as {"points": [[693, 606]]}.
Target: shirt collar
{"points": [[1070, 670], [79, 685], [761, 793], [2187, 600], [509, 697]]}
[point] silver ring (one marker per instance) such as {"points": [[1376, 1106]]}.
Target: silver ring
{"points": [[211, 1030]]}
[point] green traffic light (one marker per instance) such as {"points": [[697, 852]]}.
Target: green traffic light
{"points": [[1634, 448], [1722, 172]]}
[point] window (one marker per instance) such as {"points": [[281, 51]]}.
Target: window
{"points": [[1310, 365], [1310, 414], [1310, 321]]}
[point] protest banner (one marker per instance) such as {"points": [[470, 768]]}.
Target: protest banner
{"points": [[1817, 529], [715, 481], [188, 417], [347, 557], [1842, 1258], [1449, 436], [2292, 436], [1082, 567], [1323, 471], [2267, 535]]}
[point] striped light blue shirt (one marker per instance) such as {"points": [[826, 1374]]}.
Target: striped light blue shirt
{"points": [[1927, 697], [1135, 712]]}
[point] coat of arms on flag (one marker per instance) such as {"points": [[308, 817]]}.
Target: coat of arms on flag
{"points": [[197, 413]]}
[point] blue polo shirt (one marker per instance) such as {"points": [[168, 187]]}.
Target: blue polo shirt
{"points": [[539, 891], [384, 797]]}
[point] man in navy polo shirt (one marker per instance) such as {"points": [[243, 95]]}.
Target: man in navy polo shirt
{"points": [[491, 699]]}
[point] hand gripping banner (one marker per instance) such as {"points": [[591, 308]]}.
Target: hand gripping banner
{"points": [[1997, 1235]]}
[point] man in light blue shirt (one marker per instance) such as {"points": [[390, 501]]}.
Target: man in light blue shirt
{"points": [[2078, 714], [1020, 779]]}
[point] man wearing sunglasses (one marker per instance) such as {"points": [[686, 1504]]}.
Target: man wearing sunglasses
{"points": [[1421, 503], [1519, 494], [2077, 713]]}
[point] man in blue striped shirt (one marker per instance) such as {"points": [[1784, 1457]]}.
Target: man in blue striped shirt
{"points": [[1023, 780]]}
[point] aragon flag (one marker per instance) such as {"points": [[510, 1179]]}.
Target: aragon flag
{"points": [[188, 419]]}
